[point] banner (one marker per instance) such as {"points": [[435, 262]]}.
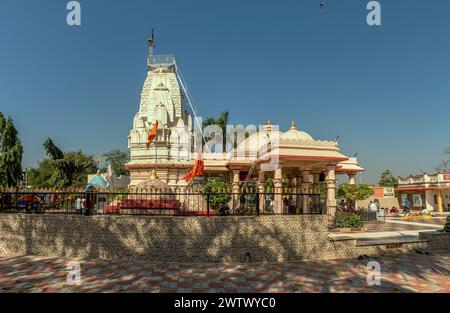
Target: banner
{"points": [[389, 192]]}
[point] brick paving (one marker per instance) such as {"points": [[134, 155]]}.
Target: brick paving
{"points": [[400, 273]]}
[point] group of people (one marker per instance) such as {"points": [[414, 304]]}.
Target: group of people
{"points": [[374, 206]]}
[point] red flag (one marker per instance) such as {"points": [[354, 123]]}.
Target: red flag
{"points": [[99, 159], [152, 134]]}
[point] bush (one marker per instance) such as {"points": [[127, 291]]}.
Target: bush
{"points": [[447, 225], [348, 220], [352, 193], [218, 195]]}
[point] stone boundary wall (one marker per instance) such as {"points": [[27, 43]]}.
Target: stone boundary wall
{"points": [[437, 240], [176, 239]]}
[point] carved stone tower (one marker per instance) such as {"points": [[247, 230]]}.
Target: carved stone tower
{"points": [[162, 99]]}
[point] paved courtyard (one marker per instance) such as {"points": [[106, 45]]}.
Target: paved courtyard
{"points": [[400, 224], [400, 273]]}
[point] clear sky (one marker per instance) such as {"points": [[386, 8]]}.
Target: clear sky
{"points": [[385, 91]]}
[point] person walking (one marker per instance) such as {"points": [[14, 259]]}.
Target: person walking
{"points": [[407, 207]]}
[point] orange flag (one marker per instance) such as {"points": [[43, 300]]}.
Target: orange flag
{"points": [[152, 134], [199, 167]]}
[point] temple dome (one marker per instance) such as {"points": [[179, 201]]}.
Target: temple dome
{"points": [[152, 185], [294, 134], [257, 140], [98, 182]]}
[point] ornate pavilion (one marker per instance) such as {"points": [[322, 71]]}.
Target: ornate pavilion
{"points": [[292, 156]]}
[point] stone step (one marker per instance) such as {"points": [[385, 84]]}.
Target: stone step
{"points": [[388, 240]]}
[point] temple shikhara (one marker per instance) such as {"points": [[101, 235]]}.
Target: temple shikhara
{"points": [[290, 159]]}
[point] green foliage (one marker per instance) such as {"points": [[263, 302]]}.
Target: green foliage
{"points": [[2, 126], [221, 121], [348, 220], [118, 159], [388, 180], [447, 225], [11, 152], [352, 193], [247, 203], [52, 150], [218, 194], [62, 170], [268, 185]]}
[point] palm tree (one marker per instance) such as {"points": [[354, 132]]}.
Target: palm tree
{"points": [[221, 121]]}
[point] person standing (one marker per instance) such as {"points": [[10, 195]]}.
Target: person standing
{"points": [[373, 208]]}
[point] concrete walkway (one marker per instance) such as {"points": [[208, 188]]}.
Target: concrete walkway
{"points": [[411, 222], [381, 234], [393, 229]]}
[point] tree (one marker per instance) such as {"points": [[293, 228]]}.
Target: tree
{"points": [[387, 179], [447, 225], [11, 152], [352, 193], [444, 165], [221, 121], [118, 159], [217, 193], [42, 175], [62, 170], [52, 151], [2, 126]]}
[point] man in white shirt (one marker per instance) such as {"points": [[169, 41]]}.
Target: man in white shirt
{"points": [[373, 208]]}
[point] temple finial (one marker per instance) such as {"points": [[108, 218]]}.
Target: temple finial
{"points": [[151, 44], [292, 125], [153, 175]]}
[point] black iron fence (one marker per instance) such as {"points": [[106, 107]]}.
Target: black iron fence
{"points": [[173, 204]]}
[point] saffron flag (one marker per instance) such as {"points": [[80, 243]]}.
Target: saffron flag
{"points": [[152, 134], [199, 167]]}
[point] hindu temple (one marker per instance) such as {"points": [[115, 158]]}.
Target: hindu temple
{"points": [[290, 158]]}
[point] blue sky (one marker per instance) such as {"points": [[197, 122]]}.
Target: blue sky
{"points": [[385, 91]]}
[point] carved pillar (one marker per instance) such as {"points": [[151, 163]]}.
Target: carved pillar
{"points": [[278, 188], [236, 183], [331, 191], [316, 189], [305, 190], [351, 178], [440, 207], [261, 190], [316, 183]]}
